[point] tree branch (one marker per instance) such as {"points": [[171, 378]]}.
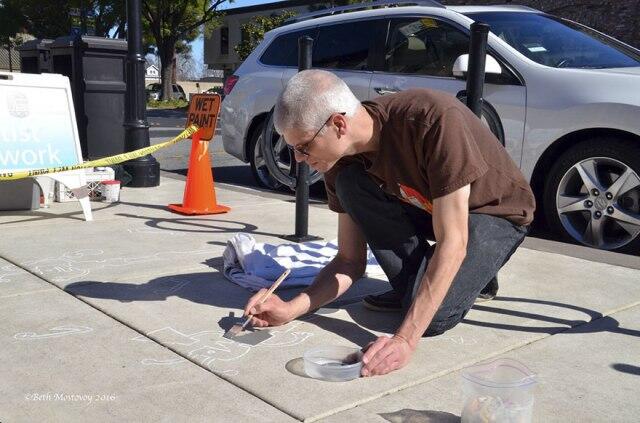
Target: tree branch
{"points": [[206, 17]]}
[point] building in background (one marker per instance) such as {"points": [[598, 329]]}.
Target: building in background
{"points": [[151, 74], [618, 18], [220, 58]]}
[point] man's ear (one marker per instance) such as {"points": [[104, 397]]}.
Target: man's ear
{"points": [[341, 123]]}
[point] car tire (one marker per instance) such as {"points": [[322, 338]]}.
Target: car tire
{"points": [[258, 165], [608, 220], [489, 117]]}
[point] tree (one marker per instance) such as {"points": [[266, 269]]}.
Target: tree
{"points": [[253, 31], [188, 68], [172, 25], [51, 18]]}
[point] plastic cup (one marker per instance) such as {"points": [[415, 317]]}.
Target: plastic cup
{"points": [[333, 363], [500, 391], [111, 191]]}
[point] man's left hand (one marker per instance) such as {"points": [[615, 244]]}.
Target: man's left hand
{"points": [[385, 355]]}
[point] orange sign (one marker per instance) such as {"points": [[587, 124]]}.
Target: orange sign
{"points": [[203, 111]]}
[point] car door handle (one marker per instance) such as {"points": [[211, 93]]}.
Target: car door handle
{"points": [[383, 91]]}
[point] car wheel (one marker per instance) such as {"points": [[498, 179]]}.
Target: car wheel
{"points": [[258, 165], [489, 117], [592, 195]]}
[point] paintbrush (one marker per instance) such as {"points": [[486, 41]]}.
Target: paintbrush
{"points": [[236, 329]]}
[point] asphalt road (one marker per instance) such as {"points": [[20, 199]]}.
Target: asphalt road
{"points": [[235, 174]]}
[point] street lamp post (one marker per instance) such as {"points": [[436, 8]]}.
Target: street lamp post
{"points": [[145, 171]]}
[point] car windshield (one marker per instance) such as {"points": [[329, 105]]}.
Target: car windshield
{"points": [[556, 42]]}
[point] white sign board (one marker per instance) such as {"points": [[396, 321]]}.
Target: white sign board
{"points": [[38, 128]]}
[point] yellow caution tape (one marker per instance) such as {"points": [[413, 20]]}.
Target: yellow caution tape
{"points": [[105, 161]]}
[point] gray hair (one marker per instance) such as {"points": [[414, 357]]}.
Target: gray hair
{"points": [[309, 98]]}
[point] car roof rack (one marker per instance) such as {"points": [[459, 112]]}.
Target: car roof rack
{"points": [[361, 6]]}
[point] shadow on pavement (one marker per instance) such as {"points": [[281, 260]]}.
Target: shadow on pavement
{"points": [[599, 322], [242, 176], [408, 415], [626, 368], [195, 224], [211, 288]]}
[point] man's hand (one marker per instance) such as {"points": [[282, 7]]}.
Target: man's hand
{"points": [[385, 355], [273, 312]]}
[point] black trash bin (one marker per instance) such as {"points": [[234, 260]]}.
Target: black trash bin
{"points": [[35, 56], [96, 69]]}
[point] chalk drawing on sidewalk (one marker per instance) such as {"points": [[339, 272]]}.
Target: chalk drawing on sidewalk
{"points": [[56, 332], [168, 362], [212, 350], [9, 270], [80, 263], [455, 339], [153, 231], [169, 286], [168, 336]]}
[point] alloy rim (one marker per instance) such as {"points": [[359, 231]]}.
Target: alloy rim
{"points": [[598, 203]]}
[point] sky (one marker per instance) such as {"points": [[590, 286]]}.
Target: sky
{"points": [[197, 46]]}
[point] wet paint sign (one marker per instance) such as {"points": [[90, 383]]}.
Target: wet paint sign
{"points": [[203, 112]]}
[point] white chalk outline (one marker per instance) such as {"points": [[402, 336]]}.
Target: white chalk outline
{"points": [[215, 350], [68, 266], [58, 332]]}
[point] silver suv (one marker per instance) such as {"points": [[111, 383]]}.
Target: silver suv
{"points": [[564, 99]]}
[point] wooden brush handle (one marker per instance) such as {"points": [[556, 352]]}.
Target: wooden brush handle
{"points": [[274, 286]]}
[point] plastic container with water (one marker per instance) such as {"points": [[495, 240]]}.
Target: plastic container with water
{"points": [[333, 363], [500, 391]]}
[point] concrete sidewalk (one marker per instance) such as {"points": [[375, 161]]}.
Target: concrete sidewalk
{"points": [[121, 319]]}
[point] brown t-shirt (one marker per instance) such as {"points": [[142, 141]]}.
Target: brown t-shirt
{"points": [[431, 145]]}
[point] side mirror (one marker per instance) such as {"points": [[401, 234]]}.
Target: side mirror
{"points": [[461, 66]]}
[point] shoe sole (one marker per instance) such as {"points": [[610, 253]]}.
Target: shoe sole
{"points": [[382, 309], [482, 300]]}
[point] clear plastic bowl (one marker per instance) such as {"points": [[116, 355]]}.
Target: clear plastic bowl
{"points": [[500, 391], [333, 363]]}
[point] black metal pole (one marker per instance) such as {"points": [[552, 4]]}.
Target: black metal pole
{"points": [[145, 171], [305, 49], [10, 58], [475, 73]]}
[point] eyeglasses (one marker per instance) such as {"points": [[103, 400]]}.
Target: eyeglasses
{"points": [[304, 147]]}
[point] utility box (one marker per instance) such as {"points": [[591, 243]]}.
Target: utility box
{"points": [[35, 56], [96, 70], [21, 194]]}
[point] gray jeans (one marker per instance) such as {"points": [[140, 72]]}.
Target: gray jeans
{"points": [[397, 234]]}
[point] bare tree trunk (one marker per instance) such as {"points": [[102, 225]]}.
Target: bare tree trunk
{"points": [[166, 68], [174, 78]]}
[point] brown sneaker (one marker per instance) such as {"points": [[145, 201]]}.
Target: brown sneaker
{"points": [[388, 301]]}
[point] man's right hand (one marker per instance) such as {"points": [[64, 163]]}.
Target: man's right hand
{"points": [[273, 312]]}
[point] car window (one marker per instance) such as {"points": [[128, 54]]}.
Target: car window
{"points": [[556, 42], [175, 89], [283, 51], [153, 87], [424, 46], [343, 46]]}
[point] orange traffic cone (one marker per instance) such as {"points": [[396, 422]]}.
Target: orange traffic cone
{"points": [[199, 192]]}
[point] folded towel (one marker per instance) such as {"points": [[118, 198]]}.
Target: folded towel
{"points": [[255, 265]]}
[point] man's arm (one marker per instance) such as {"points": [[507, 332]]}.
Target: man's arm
{"points": [[336, 277], [332, 281], [450, 226]]}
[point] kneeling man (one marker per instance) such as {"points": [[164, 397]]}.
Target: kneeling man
{"points": [[399, 170]]}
